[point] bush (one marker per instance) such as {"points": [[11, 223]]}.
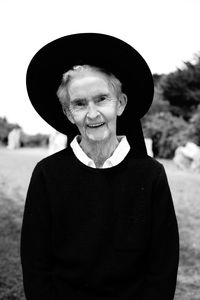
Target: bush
{"points": [[158, 105], [182, 88], [5, 129], [195, 126], [37, 140], [167, 132]]}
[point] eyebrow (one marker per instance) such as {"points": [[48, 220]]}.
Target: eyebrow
{"points": [[102, 94], [78, 99], [96, 96]]}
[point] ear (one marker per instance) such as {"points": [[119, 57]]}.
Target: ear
{"points": [[68, 114], [122, 101]]}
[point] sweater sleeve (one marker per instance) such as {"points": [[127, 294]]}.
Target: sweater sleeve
{"points": [[36, 256], [163, 259]]}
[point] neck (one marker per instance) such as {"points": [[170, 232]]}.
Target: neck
{"points": [[99, 151]]}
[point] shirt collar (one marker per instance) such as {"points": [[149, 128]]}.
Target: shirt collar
{"points": [[118, 155]]}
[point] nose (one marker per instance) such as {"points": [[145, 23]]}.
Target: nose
{"points": [[92, 111]]}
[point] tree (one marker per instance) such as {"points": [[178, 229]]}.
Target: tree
{"points": [[5, 128], [195, 126], [167, 132], [182, 88]]}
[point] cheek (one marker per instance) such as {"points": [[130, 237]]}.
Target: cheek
{"points": [[79, 120], [110, 114]]}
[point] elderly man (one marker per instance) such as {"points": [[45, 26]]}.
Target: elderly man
{"points": [[99, 220]]}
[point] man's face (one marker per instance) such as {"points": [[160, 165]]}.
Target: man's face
{"points": [[93, 106]]}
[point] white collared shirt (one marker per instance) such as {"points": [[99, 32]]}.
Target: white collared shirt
{"points": [[118, 155]]}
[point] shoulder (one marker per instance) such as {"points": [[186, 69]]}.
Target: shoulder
{"points": [[141, 171], [146, 164], [57, 161], [154, 164]]}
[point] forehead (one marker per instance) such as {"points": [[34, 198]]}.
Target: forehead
{"points": [[88, 81]]}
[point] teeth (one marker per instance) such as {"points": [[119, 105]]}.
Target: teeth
{"points": [[95, 125]]}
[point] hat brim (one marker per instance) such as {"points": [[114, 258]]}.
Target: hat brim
{"points": [[45, 72]]}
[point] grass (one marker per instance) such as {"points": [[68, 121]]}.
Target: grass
{"points": [[185, 187], [15, 170], [10, 275]]}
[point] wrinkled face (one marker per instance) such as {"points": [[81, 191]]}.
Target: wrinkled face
{"points": [[94, 106]]}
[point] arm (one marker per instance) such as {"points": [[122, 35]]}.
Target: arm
{"points": [[36, 257], [164, 245]]}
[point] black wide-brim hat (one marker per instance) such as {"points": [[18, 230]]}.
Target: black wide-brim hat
{"points": [[45, 72]]}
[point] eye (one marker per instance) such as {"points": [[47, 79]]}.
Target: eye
{"points": [[102, 98], [79, 103]]}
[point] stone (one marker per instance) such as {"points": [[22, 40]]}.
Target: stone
{"points": [[149, 146], [188, 157], [57, 142], [14, 139]]}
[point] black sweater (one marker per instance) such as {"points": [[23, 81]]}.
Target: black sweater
{"points": [[99, 233]]}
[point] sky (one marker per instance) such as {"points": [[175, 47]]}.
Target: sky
{"points": [[164, 32]]}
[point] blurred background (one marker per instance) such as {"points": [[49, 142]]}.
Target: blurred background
{"points": [[166, 33]]}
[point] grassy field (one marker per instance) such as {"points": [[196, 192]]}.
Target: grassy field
{"points": [[15, 171]]}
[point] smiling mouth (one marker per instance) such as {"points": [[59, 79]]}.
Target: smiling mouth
{"points": [[95, 125]]}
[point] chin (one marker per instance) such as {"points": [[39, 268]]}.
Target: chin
{"points": [[102, 138], [95, 139]]}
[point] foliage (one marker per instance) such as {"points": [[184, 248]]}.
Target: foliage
{"points": [[37, 140], [157, 78], [195, 126], [5, 128], [174, 117], [182, 88], [167, 132], [158, 105]]}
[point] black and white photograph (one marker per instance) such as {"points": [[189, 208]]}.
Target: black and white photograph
{"points": [[100, 150]]}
